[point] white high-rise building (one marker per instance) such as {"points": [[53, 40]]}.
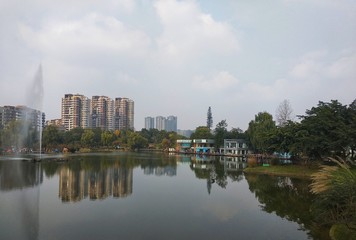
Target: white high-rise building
{"points": [[160, 123]]}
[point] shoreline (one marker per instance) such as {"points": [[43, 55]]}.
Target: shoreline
{"points": [[283, 170]]}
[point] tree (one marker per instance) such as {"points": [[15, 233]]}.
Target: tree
{"points": [[20, 134], [51, 137], [326, 130], [87, 138], [73, 136], [106, 138], [220, 133], [351, 125], [136, 141], [209, 119], [284, 113], [202, 132], [260, 131]]}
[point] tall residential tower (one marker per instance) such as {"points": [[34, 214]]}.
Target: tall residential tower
{"points": [[124, 113], [75, 111]]}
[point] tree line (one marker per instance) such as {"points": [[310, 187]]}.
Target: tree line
{"points": [[326, 130]]}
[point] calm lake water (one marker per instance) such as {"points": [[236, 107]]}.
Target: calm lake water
{"points": [[149, 196]]}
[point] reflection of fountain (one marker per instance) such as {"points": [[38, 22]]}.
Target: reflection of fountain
{"points": [[19, 197]]}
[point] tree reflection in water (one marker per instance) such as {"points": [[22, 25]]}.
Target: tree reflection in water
{"points": [[288, 198]]}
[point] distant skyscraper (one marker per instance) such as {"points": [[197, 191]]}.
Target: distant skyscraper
{"points": [[124, 113], [149, 123], [75, 111], [160, 123], [171, 124]]}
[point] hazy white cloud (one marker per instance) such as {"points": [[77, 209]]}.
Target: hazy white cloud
{"points": [[241, 56], [219, 82], [188, 33], [93, 35]]}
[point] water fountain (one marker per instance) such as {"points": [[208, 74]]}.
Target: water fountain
{"points": [[34, 100], [20, 180]]}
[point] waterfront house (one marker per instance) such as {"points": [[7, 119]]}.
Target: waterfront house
{"points": [[203, 146], [183, 145], [235, 147]]}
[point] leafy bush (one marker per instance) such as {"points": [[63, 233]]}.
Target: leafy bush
{"points": [[335, 187]]}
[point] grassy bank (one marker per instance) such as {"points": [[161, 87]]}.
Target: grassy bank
{"points": [[284, 170]]}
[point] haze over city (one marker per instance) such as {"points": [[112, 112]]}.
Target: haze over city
{"points": [[180, 57]]}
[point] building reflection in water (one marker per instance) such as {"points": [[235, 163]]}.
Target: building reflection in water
{"points": [[160, 171], [97, 185], [233, 163], [218, 170], [19, 199]]}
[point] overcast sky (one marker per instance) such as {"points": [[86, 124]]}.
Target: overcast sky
{"points": [[178, 58]]}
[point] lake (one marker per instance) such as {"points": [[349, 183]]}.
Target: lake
{"points": [[123, 195]]}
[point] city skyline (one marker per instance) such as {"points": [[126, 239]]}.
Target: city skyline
{"points": [[180, 57]]}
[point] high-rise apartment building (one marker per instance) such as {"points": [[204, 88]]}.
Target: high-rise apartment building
{"points": [[124, 113], [171, 124], [160, 123], [102, 112], [168, 124], [97, 112], [32, 117], [149, 123], [75, 111]]}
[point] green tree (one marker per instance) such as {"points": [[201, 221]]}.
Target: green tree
{"points": [[97, 136], [202, 132], [14, 134], [107, 138], [283, 138], [260, 131], [220, 133], [326, 130], [51, 137], [136, 141], [87, 138], [351, 129], [72, 139]]}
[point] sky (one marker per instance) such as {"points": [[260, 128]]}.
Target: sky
{"points": [[178, 57]]}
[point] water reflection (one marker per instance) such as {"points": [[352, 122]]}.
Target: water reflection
{"points": [[217, 170], [160, 171], [19, 199], [288, 198], [75, 185], [15, 174], [211, 194]]}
